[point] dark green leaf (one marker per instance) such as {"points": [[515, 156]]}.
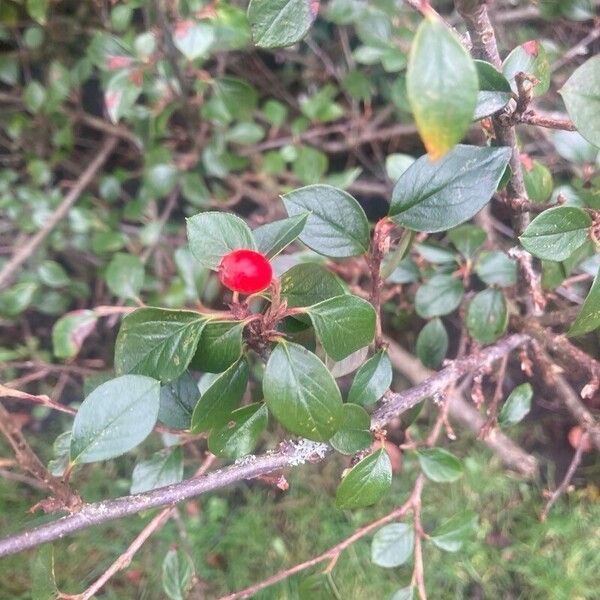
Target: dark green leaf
{"points": [[530, 58], [61, 449], [70, 331], [436, 196], [301, 393], [273, 237], [125, 275], [162, 468], [588, 318], [158, 342], [53, 274], [221, 398], [43, 581], [556, 233], [517, 405], [441, 83], [436, 254], [467, 239], [440, 465], [177, 573], [451, 535], [343, 324], [489, 103], [440, 296], [280, 23], [239, 436], [212, 235], [490, 79], [337, 225], [177, 401], [495, 268], [432, 344], [116, 417], [538, 181], [573, 147], [487, 316], [309, 283], [220, 345], [354, 433], [392, 545], [16, 299], [372, 380], [366, 483]]}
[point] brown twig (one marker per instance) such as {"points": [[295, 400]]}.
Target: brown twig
{"points": [[546, 120]]}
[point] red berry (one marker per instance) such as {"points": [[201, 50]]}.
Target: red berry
{"points": [[245, 271]]}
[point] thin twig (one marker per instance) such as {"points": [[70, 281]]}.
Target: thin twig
{"points": [[547, 120]]}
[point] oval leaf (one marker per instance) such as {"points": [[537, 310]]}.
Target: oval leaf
{"points": [[70, 331], [116, 417], [372, 380], [125, 275], [392, 545], [220, 345], [177, 401], [272, 238], [530, 58], [162, 468], [308, 283], [487, 316], [440, 296], [354, 433], [517, 405], [301, 393], [451, 535], [432, 344], [439, 464], [588, 318]]}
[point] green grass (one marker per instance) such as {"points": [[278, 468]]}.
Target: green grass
{"points": [[247, 533]]}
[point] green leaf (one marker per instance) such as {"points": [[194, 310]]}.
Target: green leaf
{"points": [[158, 342], [372, 380], [240, 435], [308, 283], [177, 573], [34, 96], [573, 147], [396, 164], [43, 580], [116, 417], [233, 99], [280, 23], [487, 316], [556, 233], [194, 40], [70, 331], [177, 401], [16, 299], [61, 449], [581, 94], [490, 79], [441, 295], [467, 239], [125, 275], [272, 238], [366, 483], [440, 465], [489, 103], [436, 254], [245, 133], [301, 393], [53, 274], [451, 535], [538, 181], [392, 545], [406, 593], [517, 405], [588, 318], [220, 345], [436, 196], [37, 10], [343, 324], [120, 95], [337, 226], [432, 344], [354, 433], [212, 235], [441, 83], [162, 468], [530, 58], [496, 268], [221, 398]]}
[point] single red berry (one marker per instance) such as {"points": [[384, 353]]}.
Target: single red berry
{"points": [[245, 271]]}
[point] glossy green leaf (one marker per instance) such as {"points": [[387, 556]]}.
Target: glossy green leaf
{"points": [[440, 465], [496, 268], [372, 380], [177, 401], [441, 83], [212, 235], [530, 58], [343, 324], [487, 316], [162, 468], [280, 23], [441, 295], [432, 344], [489, 103], [337, 226], [467, 239], [301, 392], [308, 283], [273, 237], [116, 417], [366, 483], [177, 574], [556, 233], [125, 275], [220, 345], [538, 181], [436, 254], [517, 405], [70, 331], [490, 79], [354, 433], [16, 299], [221, 398], [240, 435], [588, 318], [158, 342], [451, 535], [392, 545], [53, 274], [436, 196]]}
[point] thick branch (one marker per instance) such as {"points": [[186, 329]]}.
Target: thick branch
{"points": [[291, 454]]}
